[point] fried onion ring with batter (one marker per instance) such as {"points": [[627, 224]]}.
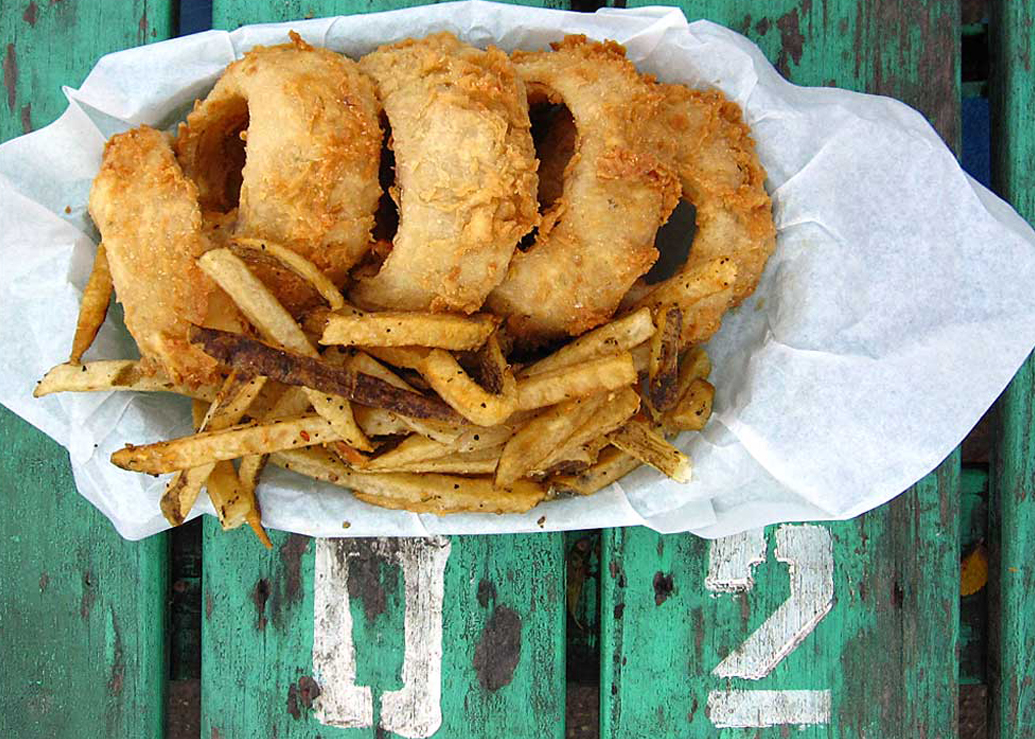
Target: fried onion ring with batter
{"points": [[465, 173], [704, 134], [598, 236], [309, 122]]}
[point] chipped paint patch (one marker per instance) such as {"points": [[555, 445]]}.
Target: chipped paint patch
{"points": [[30, 14], [10, 76], [499, 649], [743, 709]]}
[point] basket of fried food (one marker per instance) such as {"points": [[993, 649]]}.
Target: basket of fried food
{"points": [[499, 349]]}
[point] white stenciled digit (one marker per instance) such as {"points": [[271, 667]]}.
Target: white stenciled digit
{"points": [[732, 559], [413, 711], [808, 553]]}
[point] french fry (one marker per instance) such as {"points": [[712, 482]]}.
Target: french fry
{"points": [[663, 368], [697, 292], [93, 308], [395, 328], [410, 357], [693, 365], [230, 404], [639, 440], [379, 422], [694, 408], [620, 335], [567, 383], [324, 382], [617, 408], [300, 266], [416, 448], [478, 462], [573, 461], [236, 441], [420, 493], [533, 442], [273, 321], [464, 395], [612, 464], [116, 374]]}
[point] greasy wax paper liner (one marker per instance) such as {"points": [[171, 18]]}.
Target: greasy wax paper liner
{"points": [[897, 306]]}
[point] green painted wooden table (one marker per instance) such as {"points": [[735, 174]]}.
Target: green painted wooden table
{"points": [[853, 629]]}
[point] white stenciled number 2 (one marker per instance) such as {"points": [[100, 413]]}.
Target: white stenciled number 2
{"points": [[808, 553], [414, 710]]}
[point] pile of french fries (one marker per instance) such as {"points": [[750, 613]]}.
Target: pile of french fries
{"points": [[414, 411]]}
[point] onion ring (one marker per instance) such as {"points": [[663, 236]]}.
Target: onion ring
{"points": [[309, 120], [465, 173], [598, 236], [148, 216], [705, 136]]}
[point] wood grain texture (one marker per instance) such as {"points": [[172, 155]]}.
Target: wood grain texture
{"points": [[887, 649], [502, 670], [1012, 505], [230, 14], [906, 49], [82, 612]]}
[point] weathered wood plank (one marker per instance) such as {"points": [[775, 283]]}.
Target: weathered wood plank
{"points": [[230, 14], [82, 612], [857, 636], [749, 659], [1012, 506], [498, 604]]}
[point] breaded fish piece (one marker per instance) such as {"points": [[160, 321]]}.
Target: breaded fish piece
{"points": [[465, 173], [303, 121], [149, 219], [598, 236]]}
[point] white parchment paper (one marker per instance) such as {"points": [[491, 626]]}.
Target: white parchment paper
{"points": [[898, 305]]}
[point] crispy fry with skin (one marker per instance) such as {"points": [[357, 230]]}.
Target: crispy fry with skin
{"points": [[533, 442], [478, 462], [420, 493], [393, 328], [698, 292], [548, 388], [621, 335], [662, 386], [93, 308], [265, 312], [298, 264], [236, 441], [612, 465], [114, 374], [694, 408], [316, 375], [639, 440], [617, 408], [464, 395], [420, 449]]}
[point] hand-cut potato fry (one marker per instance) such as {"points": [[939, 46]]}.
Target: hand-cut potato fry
{"points": [[663, 370], [379, 422], [641, 358], [236, 441], [230, 405], [410, 357], [567, 383], [573, 460], [223, 488], [694, 408], [478, 462], [115, 374], [300, 266], [620, 335], [464, 395], [610, 466], [697, 293], [533, 442], [273, 321], [93, 308], [617, 408], [639, 440], [417, 448], [324, 382], [394, 328], [693, 365], [420, 493]]}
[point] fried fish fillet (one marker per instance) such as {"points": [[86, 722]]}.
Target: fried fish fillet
{"points": [[303, 122], [465, 173], [149, 219]]}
